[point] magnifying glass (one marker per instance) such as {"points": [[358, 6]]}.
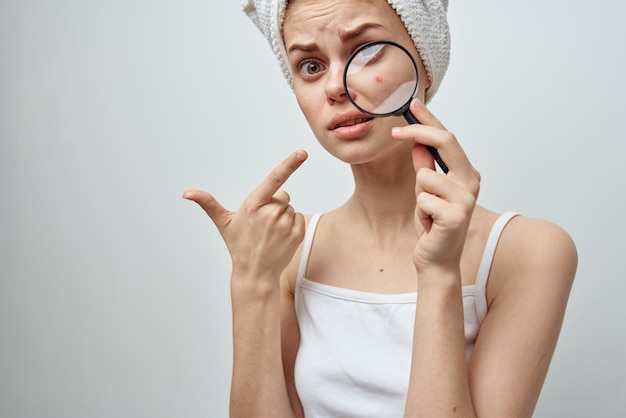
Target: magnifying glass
{"points": [[381, 79]]}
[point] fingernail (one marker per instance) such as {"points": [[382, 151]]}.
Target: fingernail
{"points": [[396, 130], [301, 155]]}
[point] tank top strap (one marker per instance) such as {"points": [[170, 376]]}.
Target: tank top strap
{"points": [[306, 252], [487, 260]]}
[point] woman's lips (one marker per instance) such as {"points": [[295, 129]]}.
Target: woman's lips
{"points": [[352, 127], [353, 122]]}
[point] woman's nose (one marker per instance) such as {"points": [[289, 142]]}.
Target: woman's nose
{"points": [[334, 85]]}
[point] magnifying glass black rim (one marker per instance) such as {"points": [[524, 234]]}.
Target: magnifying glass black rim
{"points": [[402, 109]]}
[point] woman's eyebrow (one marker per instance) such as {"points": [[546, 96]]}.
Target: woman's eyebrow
{"points": [[303, 47], [349, 34], [344, 35]]}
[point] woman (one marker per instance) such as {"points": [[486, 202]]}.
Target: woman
{"points": [[331, 324]]}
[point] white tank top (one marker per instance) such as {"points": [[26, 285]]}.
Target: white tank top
{"points": [[355, 348]]}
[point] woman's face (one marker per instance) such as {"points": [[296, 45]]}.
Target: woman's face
{"points": [[319, 37]]}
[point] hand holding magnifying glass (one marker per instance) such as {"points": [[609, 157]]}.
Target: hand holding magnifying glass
{"points": [[385, 76]]}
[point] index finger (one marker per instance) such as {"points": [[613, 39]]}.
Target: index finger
{"points": [[424, 115], [277, 177]]}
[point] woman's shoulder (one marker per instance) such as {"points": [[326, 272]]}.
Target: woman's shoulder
{"points": [[531, 254], [523, 234], [536, 239]]}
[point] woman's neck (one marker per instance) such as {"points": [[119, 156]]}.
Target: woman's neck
{"points": [[384, 194]]}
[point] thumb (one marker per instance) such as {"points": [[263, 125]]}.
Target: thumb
{"points": [[218, 214]]}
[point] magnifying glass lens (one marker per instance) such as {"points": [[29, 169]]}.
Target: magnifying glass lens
{"points": [[381, 78]]}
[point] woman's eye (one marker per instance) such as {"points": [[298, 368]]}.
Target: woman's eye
{"points": [[310, 68]]}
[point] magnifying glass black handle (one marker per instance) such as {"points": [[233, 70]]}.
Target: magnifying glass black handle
{"points": [[433, 151]]}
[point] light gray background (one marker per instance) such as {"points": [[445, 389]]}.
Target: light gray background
{"points": [[114, 294]]}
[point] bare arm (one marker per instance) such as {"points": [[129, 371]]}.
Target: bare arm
{"points": [[529, 286], [530, 282], [262, 237], [290, 334], [517, 340], [439, 385], [258, 384]]}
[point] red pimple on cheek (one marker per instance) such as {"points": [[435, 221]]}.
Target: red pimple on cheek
{"points": [[378, 79]]}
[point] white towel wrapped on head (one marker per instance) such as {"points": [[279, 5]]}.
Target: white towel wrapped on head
{"points": [[425, 20]]}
